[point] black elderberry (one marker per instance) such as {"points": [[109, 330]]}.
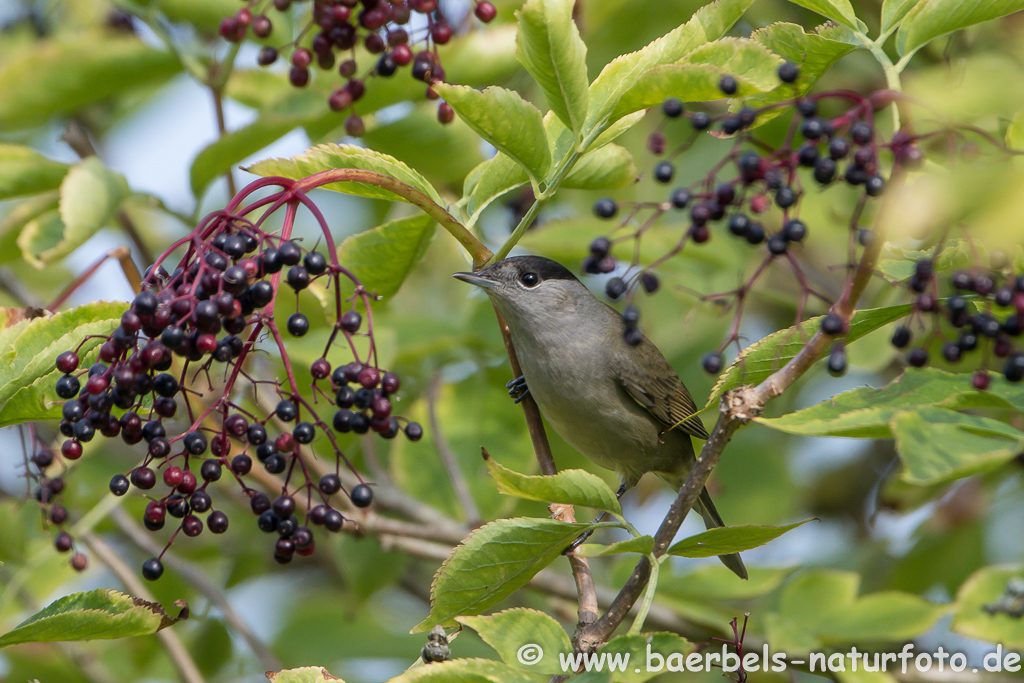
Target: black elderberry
{"points": [[286, 411], [351, 321], [672, 108], [210, 470], [712, 363], [664, 171], [119, 485], [615, 287], [605, 208], [152, 569], [824, 170], [298, 278], [728, 85], [794, 230], [832, 324], [361, 496], [298, 325], [837, 361], [304, 432], [700, 120], [330, 484], [788, 72]]}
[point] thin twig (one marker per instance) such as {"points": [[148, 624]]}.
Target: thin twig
{"points": [[448, 458], [176, 650]]}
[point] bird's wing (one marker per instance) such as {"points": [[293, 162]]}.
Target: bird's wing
{"points": [[665, 397]]}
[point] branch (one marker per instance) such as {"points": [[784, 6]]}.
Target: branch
{"points": [[738, 407]]}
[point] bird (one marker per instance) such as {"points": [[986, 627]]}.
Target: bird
{"points": [[619, 404]]}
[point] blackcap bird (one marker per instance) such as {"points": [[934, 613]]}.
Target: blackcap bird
{"points": [[616, 403]]}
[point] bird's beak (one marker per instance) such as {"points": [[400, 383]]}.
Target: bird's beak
{"points": [[476, 279]]}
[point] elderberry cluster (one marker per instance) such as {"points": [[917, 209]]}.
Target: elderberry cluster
{"points": [[383, 27], [755, 192], [47, 492], [208, 317], [983, 316]]}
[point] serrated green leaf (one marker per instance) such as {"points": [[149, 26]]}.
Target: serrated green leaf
{"points": [[25, 171], [938, 445], [504, 119], [493, 562], [464, 671], [986, 587], [305, 674], [549, 47], [731, 539], [696, 78], [331, 156], [837, 10], [512, 629], [381, 258], [29, 349], [933, 18], [491, 180], [865, 412], [569, 487], [223, 154], [608, 168], [97, 614], [708, 23], [38, 84], [90, 194], [641, 544], [893, 12], [814, 53], [759, 360]]}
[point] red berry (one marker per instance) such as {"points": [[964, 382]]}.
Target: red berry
{"points": [[485, 12], [173, 476], [67, 362], [445, 113], [71, 449], [980, 380]]}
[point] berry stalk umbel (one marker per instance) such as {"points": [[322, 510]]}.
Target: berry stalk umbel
{"points": [[207, 317], [754, 193]]}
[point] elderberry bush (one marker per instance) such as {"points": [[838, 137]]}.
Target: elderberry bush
{"points": [[174, 377], [398, 33]]}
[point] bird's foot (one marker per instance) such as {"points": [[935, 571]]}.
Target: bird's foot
{"points": [[580, 540], [517, 389]]}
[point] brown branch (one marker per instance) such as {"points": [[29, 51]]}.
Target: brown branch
{"points": [[738, 407]]}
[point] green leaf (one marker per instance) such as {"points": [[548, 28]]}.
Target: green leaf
{"points": [[381, 258], [609, 168], [865, 412], [549, 47], [731, 539], [708, 23], [94, 615], [837, 10], [939, 445], [29, 349], [492, 179], [641, 544], [493, 562], [222, 155], [986, 587], [893, 12], [1015, 133], [512, 629], [306, 674], [815, 53], [463, 671], [637, 647], [715, 582], [935, 18], [887, 616], [331, 156], [20, 215], [25, 171], [90, 194], [569, 487], [63, 75], [759, 360], [899, 264], [696, 78], [504, 119]]}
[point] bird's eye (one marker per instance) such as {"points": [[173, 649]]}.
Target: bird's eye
{"points": [[529, 279]]}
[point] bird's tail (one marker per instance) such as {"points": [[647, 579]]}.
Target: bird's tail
{"points": [[713, 520]]}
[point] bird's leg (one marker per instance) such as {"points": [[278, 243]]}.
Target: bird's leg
{"points": [[581, 539], [517, 389]]}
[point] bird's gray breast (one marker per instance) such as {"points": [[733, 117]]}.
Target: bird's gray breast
{"points": [[570, 377]]}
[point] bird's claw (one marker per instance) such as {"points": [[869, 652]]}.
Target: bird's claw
{"points": [[580, 540], [517, 389]]}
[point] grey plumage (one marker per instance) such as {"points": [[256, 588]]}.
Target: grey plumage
{"points": [[617, 404]]}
